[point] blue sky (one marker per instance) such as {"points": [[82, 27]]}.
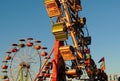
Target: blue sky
{"points": [[28, 18]]}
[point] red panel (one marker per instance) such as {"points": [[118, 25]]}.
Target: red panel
{"points": [[57, 44]]}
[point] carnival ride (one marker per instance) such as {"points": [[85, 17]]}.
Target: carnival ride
{"points": [[23, 60], [70, 60]]}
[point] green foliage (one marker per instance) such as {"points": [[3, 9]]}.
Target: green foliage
{"points": [[119, 78]]}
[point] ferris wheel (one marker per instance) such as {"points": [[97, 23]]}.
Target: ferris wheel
{"points": [[23, 61]]}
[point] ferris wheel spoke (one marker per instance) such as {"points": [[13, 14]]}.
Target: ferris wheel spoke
{"points": [[34, 54], [29, 50], [25, 53], [13, 72], [19, 55], [33, 72], [33, 62], [17, 59], [14, 68], [30, 75], [17, 77]]}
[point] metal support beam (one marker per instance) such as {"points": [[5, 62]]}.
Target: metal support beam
{"points": [[57, 44]]}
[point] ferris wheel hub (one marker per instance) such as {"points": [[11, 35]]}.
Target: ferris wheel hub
{"points": [[24, 65]]}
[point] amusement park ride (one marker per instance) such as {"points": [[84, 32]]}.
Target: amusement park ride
{"points": [[28, 60]]}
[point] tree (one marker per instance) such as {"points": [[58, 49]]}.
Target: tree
{"points": [[119, 78]]}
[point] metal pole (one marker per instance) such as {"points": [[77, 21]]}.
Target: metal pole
{"points": [[68, 18], [26, 79], [21, 73]]}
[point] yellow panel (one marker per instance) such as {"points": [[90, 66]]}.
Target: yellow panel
{"points": [[58, 27], [71, 72], [48, 1], [52, 8], [61, 37], [67, 52], [59, 31]]}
